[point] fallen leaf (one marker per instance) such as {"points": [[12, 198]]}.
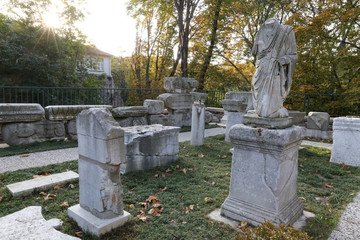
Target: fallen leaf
{"points": [[132, 189], [208, 144], [195, 169], [71, 186], [302, 198], [162, 189], [152, 199], [184, 170], [163, 175], [169, 171], [156, 175], [189, 208], [328, 186], [177, 167], [208, 199], [184, 222], [243, 225], [228, 174], [25, 155], [79, 234], [43, 193], [131, 206], [154, 212], [187, 155], [58, 186], [300, 165], [36, 176], [143, 218], [201, 155], [224, 156], [144, 204], [213, 183], [172, 221], [1, 198], [64, 204], [330, 210]]}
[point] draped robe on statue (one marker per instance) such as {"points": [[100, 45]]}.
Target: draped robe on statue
{"points": [[276, 55]]}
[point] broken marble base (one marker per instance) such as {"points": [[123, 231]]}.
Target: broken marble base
{"points": [[264, 172], [276, 123], [94, 225], [216, 215], [29, 223]]}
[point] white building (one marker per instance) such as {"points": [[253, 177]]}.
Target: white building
{"points": [[98, 62]]}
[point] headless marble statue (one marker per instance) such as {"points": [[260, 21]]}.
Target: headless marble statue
{"points": [[276, 55]]}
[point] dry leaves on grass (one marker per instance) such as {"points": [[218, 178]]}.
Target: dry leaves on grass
{"points": [[49, 197], [131, 206], [228, 174], [152, 199], [64, 204], [1, 198], [58, 186], [79, 234], [71, 186], [201, 155], [328, 186], [41, 175], [189, 208], [223, 156], [169, 171], [162, 189], [187, 155], [208, 200], [25, 155]]}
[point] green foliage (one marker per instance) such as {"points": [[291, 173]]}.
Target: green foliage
{"points": [[270, 231]]}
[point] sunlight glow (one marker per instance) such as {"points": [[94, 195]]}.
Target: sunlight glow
{"points": [[51, 18]]}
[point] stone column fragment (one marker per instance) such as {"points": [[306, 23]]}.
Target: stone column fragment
{"points": [[263, 175], [101, 151], [198, 119]]}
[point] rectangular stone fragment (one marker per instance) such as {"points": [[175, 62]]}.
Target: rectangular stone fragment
{"points": [[177, 101], [20, 112], [154, 106], [42, 183], [68, 112], [134, 111]]}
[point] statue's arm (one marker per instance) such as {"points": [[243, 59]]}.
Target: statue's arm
{"points": [[290, 56]]}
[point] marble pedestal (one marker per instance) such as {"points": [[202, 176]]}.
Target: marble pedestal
{"points": [[263, 175]]}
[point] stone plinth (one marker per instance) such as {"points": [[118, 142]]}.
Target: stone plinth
{"points": [[176, 101], [198, 124], [154, 106], [233, 118], [346, 141], [20, 112], [263, 175], [318, 121], [274, 123], [101, 151], [297, 117], [150, 146], [180, 84], [27, 133], [68, 112], [134, 111]]}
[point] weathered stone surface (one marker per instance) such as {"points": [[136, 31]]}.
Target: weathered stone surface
{"points": [[94, 225], [346, 141], [70, 129], [41, 183], [243, 97], [198, 97], [297, 117], [318, 120], [68, 112], [263, 175], [180, 117], [276, 56], [233, 105], [101, 151], [198, 124], [29, 223], [158, 119], [180, 84], [20, 112], [26, 133], [154, 106], [314, 133], [232, 119], [176, 101], [132, 121], [134, 111], [278, 123], [150, 146], [209, 117]]}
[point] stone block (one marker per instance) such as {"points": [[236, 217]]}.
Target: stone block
{"points": [[134, 111], [20, 112], [94, 225], [70, 129], [132, 121], [27, 133], [180, 117], [198, 97], [346, 141], [314, 133], [154, 106], [180, 84], [297, 117], [263, 175], [29, 223], [232, 119], [159, 119], [233, 105], [244, 97], [278, 123], [209, 117], [318, 120], [42, 183], [68, 112], [100, 137], [150, 146], [176, 101]]}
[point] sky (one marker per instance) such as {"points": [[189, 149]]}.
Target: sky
{"points": [[106, 25]]}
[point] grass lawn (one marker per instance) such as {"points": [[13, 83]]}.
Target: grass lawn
{"points": [[181, 188]]}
